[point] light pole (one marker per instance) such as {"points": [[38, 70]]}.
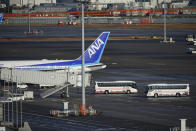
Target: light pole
{"points": [[165, 24], [29, 17], [83, 106]]}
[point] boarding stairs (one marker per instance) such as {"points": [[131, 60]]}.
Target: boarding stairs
{"points": [[53, 90]]}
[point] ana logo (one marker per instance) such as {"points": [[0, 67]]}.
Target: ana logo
{"points": [[97, 44]]}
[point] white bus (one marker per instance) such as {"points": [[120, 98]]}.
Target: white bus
{"points": [[167, 90], [115, 87]]}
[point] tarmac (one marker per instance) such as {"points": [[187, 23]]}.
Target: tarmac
{"points": [[143, 61]]}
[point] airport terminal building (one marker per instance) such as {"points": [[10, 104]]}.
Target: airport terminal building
{"points": [[133, 4], [20, 3], [108, 4]]}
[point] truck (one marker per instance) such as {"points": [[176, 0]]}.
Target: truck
{"points": [[191, 39], [191, 51]]}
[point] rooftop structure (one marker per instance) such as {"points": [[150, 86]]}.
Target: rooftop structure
{"points": [[52, 8], [179, 3], [73, 5], [133, 4], [21, 3]]}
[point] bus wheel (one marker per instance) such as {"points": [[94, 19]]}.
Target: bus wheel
{"points": [[178, 95], [155, 95], [128, 92], [106, 92]]}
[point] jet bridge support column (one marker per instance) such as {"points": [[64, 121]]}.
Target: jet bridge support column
{"points": [[67, 91], [183, 125]]}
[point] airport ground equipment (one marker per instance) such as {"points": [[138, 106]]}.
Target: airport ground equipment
{"points": [[28, 95], [66, 111], [191, 51], [191, 42], [90, 111], [169, 41], [16, 97], [182, 127], [53, 90], [76, 82], [191, 39]]}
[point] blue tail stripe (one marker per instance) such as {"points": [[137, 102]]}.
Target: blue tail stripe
{"points": [[98, 61], [94, 52], [1, 17]]}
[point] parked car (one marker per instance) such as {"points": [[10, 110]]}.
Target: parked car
{"points": [[21, 85]]}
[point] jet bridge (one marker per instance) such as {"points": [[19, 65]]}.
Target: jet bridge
{"points": [[34, 77], [60, 79]]}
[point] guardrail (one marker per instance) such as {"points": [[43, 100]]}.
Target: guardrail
{"points": [[171, 11]]}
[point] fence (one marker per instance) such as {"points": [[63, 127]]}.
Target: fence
{"points": [[99, 20], [105, 17], [138, 12]]}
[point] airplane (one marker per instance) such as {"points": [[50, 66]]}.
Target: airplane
{"points": [[92, 56], [1, 17]]}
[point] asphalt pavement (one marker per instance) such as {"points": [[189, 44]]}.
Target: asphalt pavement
{"points": [[143, 61]]}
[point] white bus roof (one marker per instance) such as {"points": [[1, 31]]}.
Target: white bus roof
{"points": [[164, 84], [114, 81]]}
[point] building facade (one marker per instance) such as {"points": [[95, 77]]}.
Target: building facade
{"points": [[133, 4], [51, 8], [20, 3]]}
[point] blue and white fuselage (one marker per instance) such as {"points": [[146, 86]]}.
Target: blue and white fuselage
{"points": [[92, 58]]}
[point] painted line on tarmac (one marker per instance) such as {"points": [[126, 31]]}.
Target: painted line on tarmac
{"points": [[76, 39]]}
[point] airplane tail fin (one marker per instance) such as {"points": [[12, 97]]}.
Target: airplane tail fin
{"points": [[95, 50], [1, 17]]}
